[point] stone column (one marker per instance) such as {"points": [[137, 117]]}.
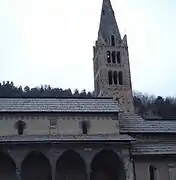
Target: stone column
{"points": [[18, 173], [88, 165], [18, 156], [53, 172], [87, 154], [128, 164], [53, 156]]}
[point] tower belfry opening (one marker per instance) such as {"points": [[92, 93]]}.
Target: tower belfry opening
{"points": [[112, 40]]}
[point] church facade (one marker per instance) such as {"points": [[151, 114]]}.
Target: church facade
{"points": [[98, 138]]}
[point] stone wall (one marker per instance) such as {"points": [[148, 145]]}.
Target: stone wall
{"points": [[52, 124], [162, 166]]}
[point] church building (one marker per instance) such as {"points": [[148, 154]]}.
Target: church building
{"points": [[97, 138]]}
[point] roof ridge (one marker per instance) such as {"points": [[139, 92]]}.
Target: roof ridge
{"points": [[56, 98]]}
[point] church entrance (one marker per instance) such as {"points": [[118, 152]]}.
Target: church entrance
{"points": [[106, 165], [70, 166], [7, 167], [36, 167]]}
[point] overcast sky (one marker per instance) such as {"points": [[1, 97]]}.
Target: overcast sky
{"points": [[50, 42]]}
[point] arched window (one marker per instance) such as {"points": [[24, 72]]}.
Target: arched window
{"points": [[153, 172], [113, 57], [112, 41], [108, 57], [121, 78], [110, 77], [20, 126], [115, 77], [84, 127], [118, 57]]}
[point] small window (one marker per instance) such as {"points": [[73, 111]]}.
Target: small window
{"points": [[20, 126], [53, 122], [120, 78], [112, 41], [108, 57], [113, 57], [115, 77], [118, 57], [110, 77], [152, 173], [103, 12], [84, 127]]}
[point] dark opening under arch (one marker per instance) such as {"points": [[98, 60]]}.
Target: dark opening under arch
{"points": [[7, 167], [71, 166], [36, 166], [106, 165]]}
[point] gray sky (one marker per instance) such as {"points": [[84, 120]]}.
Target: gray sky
{"points": [[50, 42]]}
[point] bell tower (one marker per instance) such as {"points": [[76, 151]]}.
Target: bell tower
{"points": [[112, 76]]}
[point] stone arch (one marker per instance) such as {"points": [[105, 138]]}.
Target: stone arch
{"points": [[7, 167], [36, 166], [71, 166], [107, 165]]}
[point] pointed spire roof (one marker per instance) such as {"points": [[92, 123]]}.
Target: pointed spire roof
{"points": [[108, 25]]}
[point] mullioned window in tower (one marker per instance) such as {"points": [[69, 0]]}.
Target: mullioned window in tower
{"points": [[118, 57], [115, 77], [110, 77], [113, 57], [120, 78]]}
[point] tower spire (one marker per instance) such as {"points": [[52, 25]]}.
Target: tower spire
{"points": [[108, 25]]}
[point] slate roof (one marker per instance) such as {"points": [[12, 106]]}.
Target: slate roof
{"points": [[154, 148], [108, 24], [67, 138], [58, 105], [132, 123]]}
